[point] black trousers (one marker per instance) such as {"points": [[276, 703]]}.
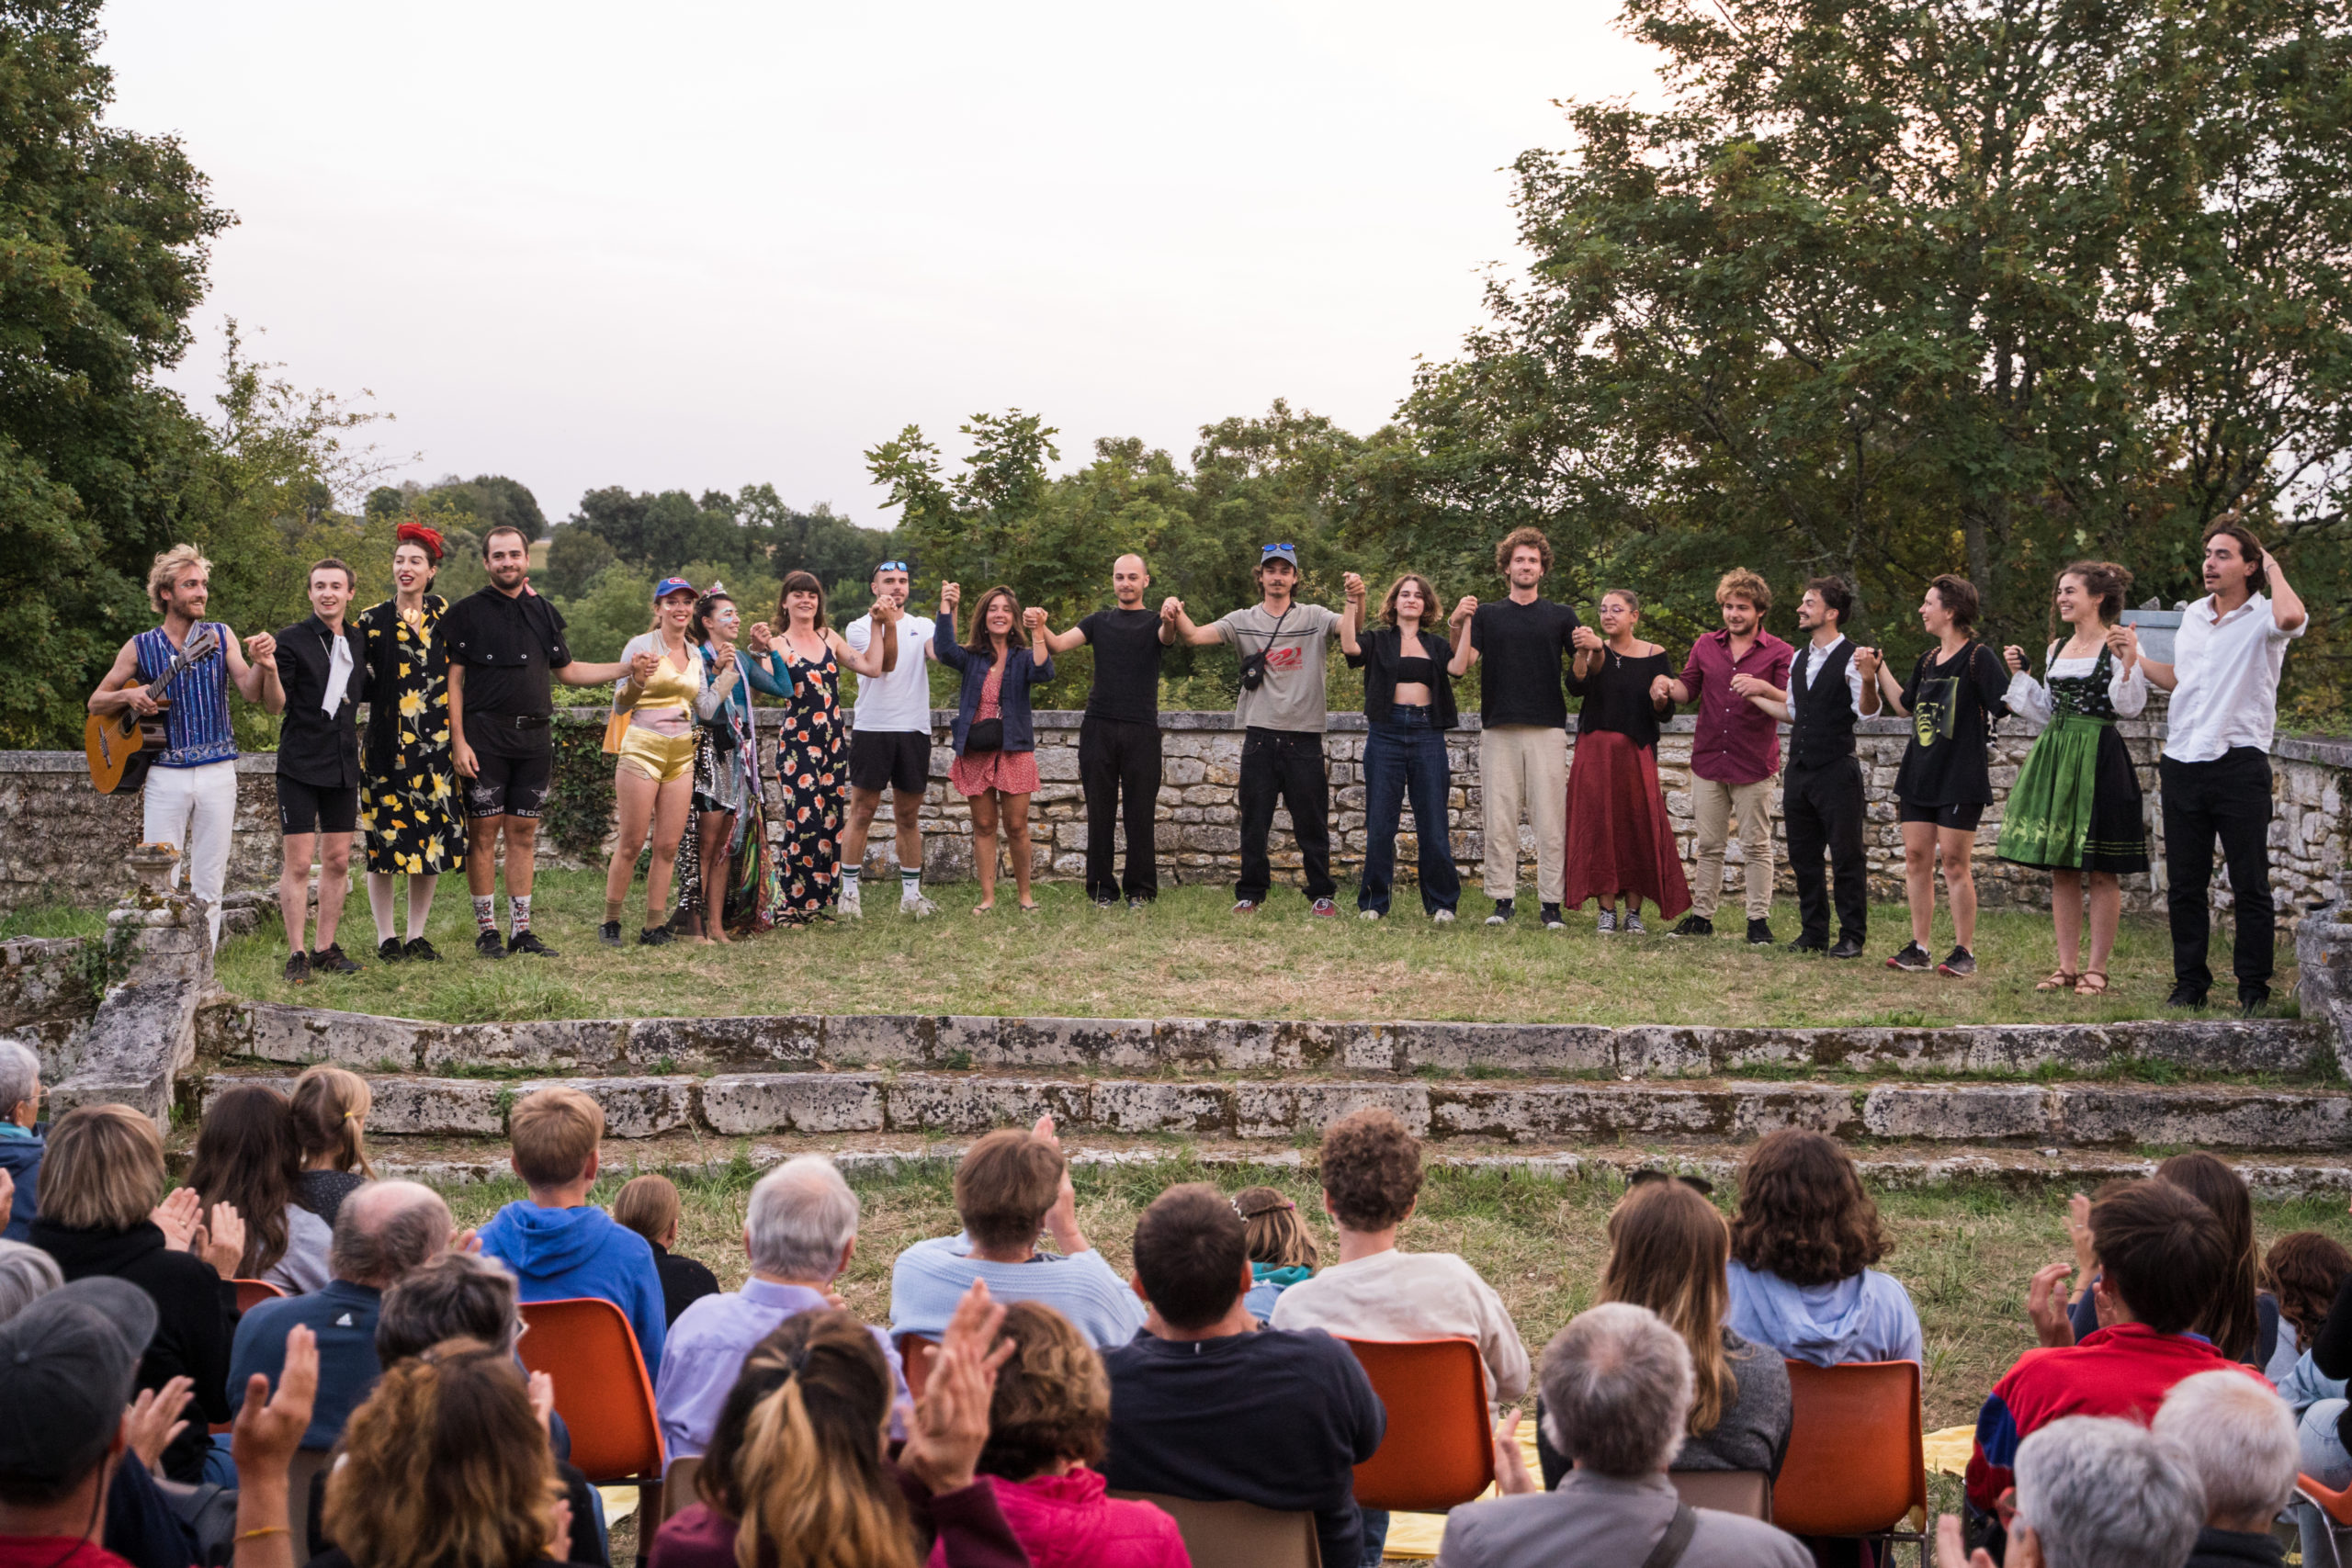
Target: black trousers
{"points": [[1821, 808], [1288, 764], [2228, 798], [1118, 757]]}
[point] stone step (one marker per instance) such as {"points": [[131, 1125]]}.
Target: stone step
{"points": [[299, 1036], [2070, 1115]]}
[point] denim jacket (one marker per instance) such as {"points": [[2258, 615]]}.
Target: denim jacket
{"points": [[1022, 670]]}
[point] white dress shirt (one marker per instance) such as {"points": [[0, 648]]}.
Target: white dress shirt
{"points": [[1819, 657], [2227, 673]]}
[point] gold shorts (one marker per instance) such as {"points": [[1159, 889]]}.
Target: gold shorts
{"points": [[664, 759]]}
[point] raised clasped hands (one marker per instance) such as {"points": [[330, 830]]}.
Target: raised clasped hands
{"points": [[1352, 585], [1586, 640], [1464, 607], [950, 595], [1169, 608], [1033, 618], [2124, 643], [261, 647], [761, 638]]}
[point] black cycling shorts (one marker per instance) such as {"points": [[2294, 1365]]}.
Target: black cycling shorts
{"points": [[316, 808], [898, 759], [508, 786], [1963, 818]]}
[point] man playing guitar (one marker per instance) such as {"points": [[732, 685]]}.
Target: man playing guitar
{"points": [[192, 792]]}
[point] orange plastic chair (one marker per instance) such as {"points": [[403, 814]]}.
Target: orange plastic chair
{"points": [[916, 1352], [2337, 1506], [251, 1293], [603, 1395], [1439, 1452], [1856, 1464]]}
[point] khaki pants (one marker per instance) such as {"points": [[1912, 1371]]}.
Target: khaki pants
{"points": [[1714, 805], [1524, 765]]}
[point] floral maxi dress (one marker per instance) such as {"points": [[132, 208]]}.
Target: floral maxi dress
{"points": [[813, 780], [408, 777]]}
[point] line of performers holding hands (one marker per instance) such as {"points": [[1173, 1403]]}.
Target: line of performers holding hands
{"points": [[457, 758]]}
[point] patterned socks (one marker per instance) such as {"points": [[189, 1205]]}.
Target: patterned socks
{"points": [[485, 912], [518, 912]]}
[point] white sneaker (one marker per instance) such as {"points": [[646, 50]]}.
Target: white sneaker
{"points": [[917, 906], [1369, 915], [1442, 918], [849, 909], [1633, 926]]}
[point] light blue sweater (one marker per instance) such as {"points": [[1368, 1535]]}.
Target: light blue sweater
{"points": [[932, 1276], [1866, 1317]]}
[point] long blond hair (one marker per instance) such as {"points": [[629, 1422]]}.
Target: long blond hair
{"points": [[1667, 1247], [331, 1106]]}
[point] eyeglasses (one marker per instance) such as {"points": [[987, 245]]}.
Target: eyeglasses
{"points": [[1698, 1184], [894, 566]]}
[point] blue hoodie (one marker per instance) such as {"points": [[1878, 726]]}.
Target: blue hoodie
{"points": [[21, 1152], [562, 1253], [1866, 1317]]}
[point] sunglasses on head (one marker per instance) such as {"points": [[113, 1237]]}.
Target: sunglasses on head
{"points": [[1698, 1184], [1270, 549], [894, 566]]}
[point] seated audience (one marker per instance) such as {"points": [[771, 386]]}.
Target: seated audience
{"points": [[2243, 1319], [246, 1155], [649, 1205], [1617, 1390], [2093, 1492], [99, 1184], [1009, 1185], [558, 1243], [2239, 1440], [2303, 1269], [331, 1106], [20, 1136], [1801, 1247], [799, 1232], [1206, 1405], [2163, 1256], [800, 1466], [1281, 1253], [1667, 1245], [382, 1232], [1045, 1430]]}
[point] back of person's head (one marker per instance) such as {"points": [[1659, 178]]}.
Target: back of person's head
{"points": [[1616, 1384], [446, 1463], [2232, 1318], [2239, 1438], [2164, 1254], [1190, 1252], [1276, 1233], [1666, 1248], [246, 1155], [802, 1218], [1803, 1213], [2098, 1492], [26, 1274], [797, 1457], [387, 1229], [1371, 1167], [1053, 1398], [2305, 1269], [459, 1295], [649, 1205], [555, 1133], [68, 1360], [331, 1106], [19, 1077], [1004, 1184], [103, 1170]]}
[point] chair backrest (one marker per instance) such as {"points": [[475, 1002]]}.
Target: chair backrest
{"points": [[916, 1353], [1855, 1464], [1747, 1491], [2337, 1506], [601, 1389], [1238, 1535], [307, 1463], [1439, 1450], [678, 1487], [251, 1293]]}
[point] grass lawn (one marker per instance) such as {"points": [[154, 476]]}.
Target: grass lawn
{"points": [[1187, 957]]}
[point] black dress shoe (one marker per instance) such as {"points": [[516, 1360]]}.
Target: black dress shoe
{"points": [[2185, 996], [419, 951], [2253, 1000], [1848, 947]]}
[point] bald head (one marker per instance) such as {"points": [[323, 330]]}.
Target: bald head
{"points": [[1129, 580], [385, 1229]]}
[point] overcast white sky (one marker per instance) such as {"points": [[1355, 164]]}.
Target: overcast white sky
{"points": [[698, 245]]}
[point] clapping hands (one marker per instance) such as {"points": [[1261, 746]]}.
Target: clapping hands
{"points": [[950, 1420], [220, 1240]]}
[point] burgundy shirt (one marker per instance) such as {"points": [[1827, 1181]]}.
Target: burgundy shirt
{"points": [[1738, 742]]}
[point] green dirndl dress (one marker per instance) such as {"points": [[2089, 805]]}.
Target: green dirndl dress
{"points": [[2076, 805]]}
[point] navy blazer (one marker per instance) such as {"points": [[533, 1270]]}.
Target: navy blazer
{"points": [[1022, 670]]}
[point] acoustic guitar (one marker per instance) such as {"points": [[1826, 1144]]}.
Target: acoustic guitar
{"points": [[121, 746]]}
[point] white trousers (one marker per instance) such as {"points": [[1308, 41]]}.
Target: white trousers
{"points": [[196, 809]]}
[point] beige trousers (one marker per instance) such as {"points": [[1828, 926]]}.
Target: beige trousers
{"points": [[1713, 807], [1524, 765]]}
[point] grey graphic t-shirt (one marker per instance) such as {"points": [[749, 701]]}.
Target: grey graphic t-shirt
{"points": [[1295, 644]]}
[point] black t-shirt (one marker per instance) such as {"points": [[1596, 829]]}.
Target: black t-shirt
{"points": [[509, 648], [1126, 664], [1953, 704], [1522, 649]]}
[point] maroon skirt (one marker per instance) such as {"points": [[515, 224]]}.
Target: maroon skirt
{"points": [[1619, 846]]}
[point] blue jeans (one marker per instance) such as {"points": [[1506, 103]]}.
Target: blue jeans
{"points": [[1375, 1534], [1405, 756], [2324, 1460]]}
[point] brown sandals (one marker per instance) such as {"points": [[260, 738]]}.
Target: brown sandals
{"points": [[2091, 983], [2062, 980]]}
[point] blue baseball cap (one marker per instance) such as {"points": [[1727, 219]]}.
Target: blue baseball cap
{"points": [[670, 585]]}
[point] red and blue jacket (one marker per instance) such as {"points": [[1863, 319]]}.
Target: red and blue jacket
{"points": [[2123, 1371]]}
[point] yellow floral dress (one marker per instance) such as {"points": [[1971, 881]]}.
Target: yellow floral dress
{"points": [[408, 781]]}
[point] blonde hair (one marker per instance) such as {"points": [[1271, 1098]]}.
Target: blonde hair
{"points": [[1667, 1249], [1276, 1234], [102, 1170], [649, 1205], [331, 1106], [445, 1463], [167, 568], [1741, 583], [555, 1133]]}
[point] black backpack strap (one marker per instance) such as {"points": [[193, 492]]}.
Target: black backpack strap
{"points": [[1676, 1540]]}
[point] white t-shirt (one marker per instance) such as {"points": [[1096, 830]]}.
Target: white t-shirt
{"points": [[900, 702], [1412, 1295], [2228, 675]]}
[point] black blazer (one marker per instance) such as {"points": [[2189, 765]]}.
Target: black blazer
{"points": [[1382, 646], [311, 747]]}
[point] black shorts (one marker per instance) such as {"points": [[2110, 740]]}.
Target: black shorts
{"points": [[1961, 818], [316, 808], [899, 759], [508, 786]]}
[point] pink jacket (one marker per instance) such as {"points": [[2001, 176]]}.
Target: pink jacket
{"points": [[1065, 1521]]}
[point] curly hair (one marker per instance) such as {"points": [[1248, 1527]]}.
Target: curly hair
{"points": [[1803, 1213], [164, 575], [1741, 583], [2305, 1269], [1371, 1168], [1517, 539], [1053, 1398]]}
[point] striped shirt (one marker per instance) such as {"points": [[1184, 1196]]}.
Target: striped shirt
{"points": [[196, 726]]}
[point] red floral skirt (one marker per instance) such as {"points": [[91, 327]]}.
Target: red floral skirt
{"points": [[1014, 772], [1619, 846]]}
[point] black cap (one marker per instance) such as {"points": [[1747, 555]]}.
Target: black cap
{"points": [[68, 1364]]}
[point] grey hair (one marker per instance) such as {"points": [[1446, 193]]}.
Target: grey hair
{"points": [[26, 1274], [2239, 1438], [387, 1229], [802, 1214], [19, 1075], [457, 1295], [1617, 1390], [2098, 1490]]}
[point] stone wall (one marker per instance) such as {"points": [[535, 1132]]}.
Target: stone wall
{"points": [[61, 842]]}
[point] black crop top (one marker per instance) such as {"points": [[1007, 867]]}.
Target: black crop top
{"points": [[1385, 666], [1416, 669], [1617, 696]]}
